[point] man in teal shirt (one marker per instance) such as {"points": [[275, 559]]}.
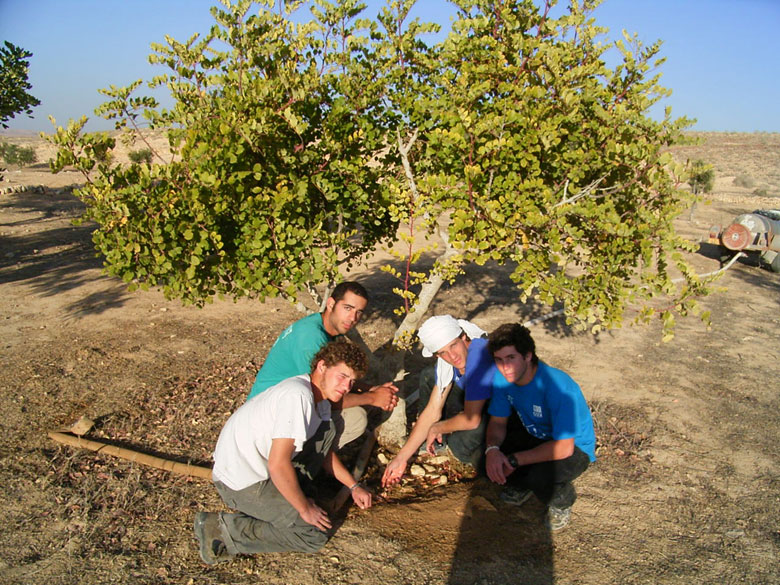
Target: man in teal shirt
{"points": [[293, 350]]}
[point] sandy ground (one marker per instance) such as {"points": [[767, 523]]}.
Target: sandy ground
{"points": [[686, 489]]}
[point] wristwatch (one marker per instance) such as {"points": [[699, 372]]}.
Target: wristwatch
{"points": [[513, 461]]}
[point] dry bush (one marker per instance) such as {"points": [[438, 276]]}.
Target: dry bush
{"points": [[744, 181]]}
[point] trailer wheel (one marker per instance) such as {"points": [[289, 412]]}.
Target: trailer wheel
{"points": [[775, 264]]}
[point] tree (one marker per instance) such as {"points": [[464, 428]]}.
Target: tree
{"points": [[702, 177], [298, 148], [14, 98], [702, 180], [271, 186]]}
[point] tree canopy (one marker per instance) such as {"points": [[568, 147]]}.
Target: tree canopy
{"points": [[14, 96], [298, 147]]}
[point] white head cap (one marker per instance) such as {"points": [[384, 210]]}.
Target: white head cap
{"points": [[437, 332]]}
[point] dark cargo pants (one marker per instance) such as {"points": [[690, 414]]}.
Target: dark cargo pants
{"points": [[550, 481]]}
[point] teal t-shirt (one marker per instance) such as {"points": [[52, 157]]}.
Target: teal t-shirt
{"points": [[292, 352]]}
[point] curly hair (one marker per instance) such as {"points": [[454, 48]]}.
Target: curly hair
{"points": [[516, 335], [342, 350]]}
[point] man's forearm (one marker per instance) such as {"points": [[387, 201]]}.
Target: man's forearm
{"points": [[356, 399], [459, 422], [549, 451], [496, 432], [419, 432], [466, 420], [336, 468]]}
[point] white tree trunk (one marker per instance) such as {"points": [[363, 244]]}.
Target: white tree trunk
{"points": [[392, 432]]}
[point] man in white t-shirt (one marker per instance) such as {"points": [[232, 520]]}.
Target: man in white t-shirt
{"points": [[268, 455]]}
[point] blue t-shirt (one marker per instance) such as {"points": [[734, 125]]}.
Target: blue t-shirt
{"points": [[477, 379], [551, 407], [292, 352]]}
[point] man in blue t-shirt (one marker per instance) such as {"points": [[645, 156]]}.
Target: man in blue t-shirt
{"points": [[556, 442], [456, 404]]}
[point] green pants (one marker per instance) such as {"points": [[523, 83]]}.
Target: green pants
{"points": [[265, 521]]}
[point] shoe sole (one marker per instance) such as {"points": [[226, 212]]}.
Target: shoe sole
{"points": [[204, 548]]}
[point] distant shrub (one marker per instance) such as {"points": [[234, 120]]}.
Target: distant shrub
{"points": [[144, 155], [744, 181], [761, 192], [702, 178], [21, 156]]}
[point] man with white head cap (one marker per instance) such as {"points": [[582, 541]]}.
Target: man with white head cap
{"points": [[464, 383]]}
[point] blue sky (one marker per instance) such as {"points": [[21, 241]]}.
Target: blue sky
{"points": [[723, 56]]}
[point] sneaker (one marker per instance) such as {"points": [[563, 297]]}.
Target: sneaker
{"points": [[515, 496], [212, 549], [558, 518]]}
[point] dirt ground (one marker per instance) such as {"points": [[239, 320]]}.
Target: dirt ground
{"points": [[686, 488]]}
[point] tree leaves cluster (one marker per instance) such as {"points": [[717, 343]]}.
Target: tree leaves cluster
{"points": [[273, 182], [14, 86], [546, 158], [298, 147], [702, 177]]}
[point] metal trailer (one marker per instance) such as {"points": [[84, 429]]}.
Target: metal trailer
{"points": [[756, 233]]}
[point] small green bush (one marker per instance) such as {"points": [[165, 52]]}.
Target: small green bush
{"points": [[702, 178], [761, 192], [144, 155], [21, 156], [744, 181]]}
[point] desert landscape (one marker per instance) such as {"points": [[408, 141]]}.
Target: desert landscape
{"points": [[686, 488]]}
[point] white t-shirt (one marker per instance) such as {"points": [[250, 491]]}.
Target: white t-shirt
{"points": [[284, 411]]}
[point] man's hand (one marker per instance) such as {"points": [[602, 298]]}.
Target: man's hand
{"points": [[434, 438], [384, 396], [316, 516], [497, 466], [362, 497], [394, 472]]}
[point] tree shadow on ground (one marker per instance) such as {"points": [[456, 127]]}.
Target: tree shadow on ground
{"points": [[55, 260], [473, 293]]}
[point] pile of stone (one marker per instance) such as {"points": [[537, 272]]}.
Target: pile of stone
{"points": [[426, 472]]}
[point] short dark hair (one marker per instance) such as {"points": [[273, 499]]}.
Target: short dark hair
{"points": [[342, 350], [516, 335], [348, 286]]}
